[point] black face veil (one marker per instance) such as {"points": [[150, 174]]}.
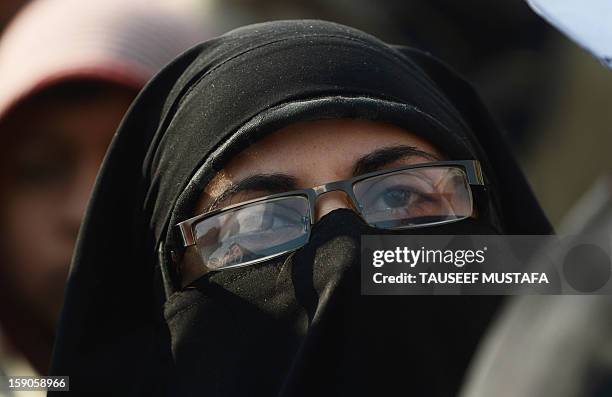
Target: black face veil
{"points": [[296, 325]]}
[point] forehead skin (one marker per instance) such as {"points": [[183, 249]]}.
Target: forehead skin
{"points": [[315, 152]]}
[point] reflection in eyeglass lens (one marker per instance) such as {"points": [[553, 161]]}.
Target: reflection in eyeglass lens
{"points": [[252, 232]]}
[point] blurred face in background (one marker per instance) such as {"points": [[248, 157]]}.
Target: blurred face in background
{"points": [[54, 145]]}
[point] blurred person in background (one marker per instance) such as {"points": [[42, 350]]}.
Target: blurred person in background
{"points": [[70, 69]]}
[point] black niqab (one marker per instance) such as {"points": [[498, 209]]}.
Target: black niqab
{"points": [[296, 325]]}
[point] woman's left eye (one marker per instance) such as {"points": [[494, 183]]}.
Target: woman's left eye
{"points": [[397, 197]]}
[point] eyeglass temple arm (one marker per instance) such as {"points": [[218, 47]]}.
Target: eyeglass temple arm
{"points": [[476, 177], [186, 234]]}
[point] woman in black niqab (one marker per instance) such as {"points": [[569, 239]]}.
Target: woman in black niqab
{"points": [[297, 324]]}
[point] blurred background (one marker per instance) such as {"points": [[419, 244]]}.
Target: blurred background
{"points": [[551, 97]]}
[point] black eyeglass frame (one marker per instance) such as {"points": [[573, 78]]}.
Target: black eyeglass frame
{"points": [[471, 168]]}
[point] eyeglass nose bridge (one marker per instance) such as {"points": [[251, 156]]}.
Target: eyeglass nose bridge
{"points": [[343, 186]]}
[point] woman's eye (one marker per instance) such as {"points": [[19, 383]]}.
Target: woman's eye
{"points": [[397, 197]]}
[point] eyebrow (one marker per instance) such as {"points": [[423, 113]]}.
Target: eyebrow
{"points": [[280, 183], [272, 183], [381, 157]]}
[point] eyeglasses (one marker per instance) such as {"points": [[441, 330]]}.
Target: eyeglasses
{"points": [[253, 231]]}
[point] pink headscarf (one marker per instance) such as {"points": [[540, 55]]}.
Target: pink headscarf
{"points": [[120, 41]]}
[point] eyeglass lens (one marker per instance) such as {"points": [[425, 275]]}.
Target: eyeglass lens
{"points": [[417, 197], [409, 198], [253, 232]]}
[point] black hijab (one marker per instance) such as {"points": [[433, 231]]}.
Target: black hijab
{"points": [[295, 325]]}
